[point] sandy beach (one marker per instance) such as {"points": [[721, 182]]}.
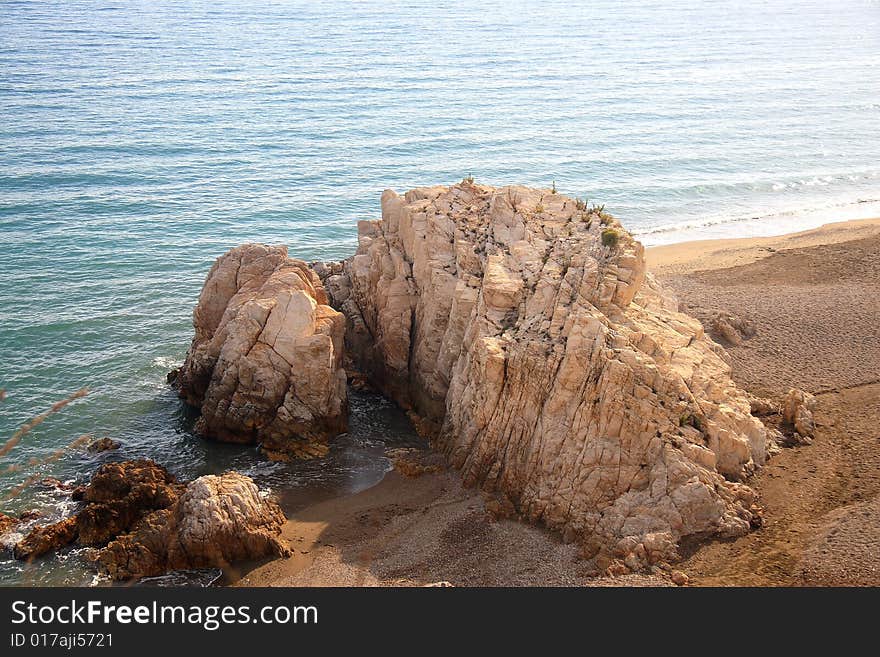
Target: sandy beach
{"points": [[813, 299]]}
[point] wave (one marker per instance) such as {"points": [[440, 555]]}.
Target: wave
{"points": [[802, 218], [167, 363]]}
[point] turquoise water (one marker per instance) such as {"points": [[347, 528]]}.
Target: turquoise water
{"points": [[140, 140]]}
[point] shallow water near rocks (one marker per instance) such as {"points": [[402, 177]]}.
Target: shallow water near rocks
{"points": [[356, 461]]}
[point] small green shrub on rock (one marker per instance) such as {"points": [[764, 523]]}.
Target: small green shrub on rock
{"points": [[610, 237]]}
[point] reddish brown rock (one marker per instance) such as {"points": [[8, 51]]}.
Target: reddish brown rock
{"points": [[119, 495], [7, 523], [154, 524], [46, 538], [57, 484], [217, 521], [679, 578]]}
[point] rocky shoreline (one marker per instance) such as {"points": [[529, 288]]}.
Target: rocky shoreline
{"points": [[816, 497], [139, 521], [524, 335]]}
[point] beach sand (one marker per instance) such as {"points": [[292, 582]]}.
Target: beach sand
{"points": [[814, 299]]}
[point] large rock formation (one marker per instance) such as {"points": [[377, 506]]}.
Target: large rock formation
{"points": [[265, 365], [522, 328], [146, 523]]}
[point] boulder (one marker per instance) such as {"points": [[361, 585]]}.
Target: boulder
{"points": [[550, 367], [103, 445], [118, 496], [732, 328], [45, 538], [797, 413], [145, 523], [265, 365], [7, 523], [217, 521], [762, 407], [57, 484], [412, 462]]}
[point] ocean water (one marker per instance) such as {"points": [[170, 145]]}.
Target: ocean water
{"points": [[140, 140]]}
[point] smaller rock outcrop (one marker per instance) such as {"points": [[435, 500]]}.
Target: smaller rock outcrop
{"points": [[7, 523], [763, 407], [57, 484], [45, 538], [103, 445], [146, 523], [265, 365], [118, 496], [413, 462], [732, 328], [797, 413], [218, 520]]}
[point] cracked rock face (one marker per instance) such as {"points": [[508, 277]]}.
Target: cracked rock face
{"points": [[265, 365], [551, 369]]}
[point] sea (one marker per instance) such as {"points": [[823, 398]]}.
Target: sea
{"points": [[141, 140]]}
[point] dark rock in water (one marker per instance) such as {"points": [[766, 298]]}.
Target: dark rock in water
{"points": [[26, 516], [173, 377], [103, 444], [217, 521], [120, 494], [151, 524], [52, 482], [7, 523], [46, 538]]}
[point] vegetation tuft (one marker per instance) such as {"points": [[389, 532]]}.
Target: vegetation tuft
{"points": [[610, 238]]}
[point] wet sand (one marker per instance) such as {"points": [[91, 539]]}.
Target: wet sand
{"points": [[814, 298]]}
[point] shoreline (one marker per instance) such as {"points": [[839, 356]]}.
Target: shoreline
{"points": [[767, 226], [427, 529], [665, 259]]}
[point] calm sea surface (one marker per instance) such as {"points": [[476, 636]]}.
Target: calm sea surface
{"points": [[140, 140]]}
